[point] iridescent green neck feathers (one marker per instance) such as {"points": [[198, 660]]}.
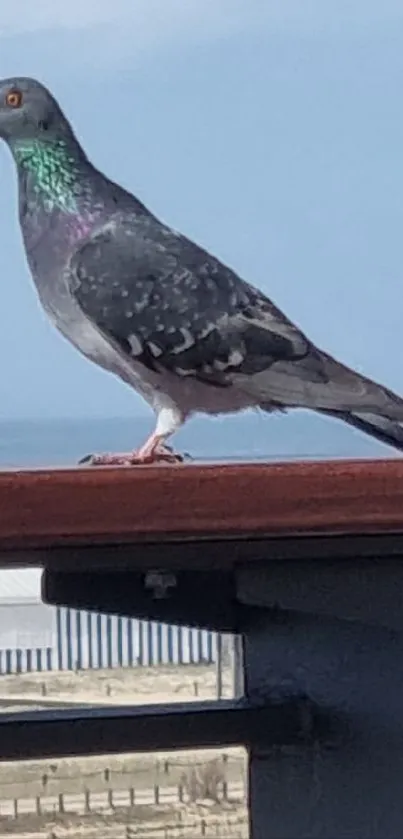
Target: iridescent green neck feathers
{"points": [[53, 170]]}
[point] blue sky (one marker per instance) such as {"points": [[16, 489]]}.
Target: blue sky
{"points": [[270, 132]]}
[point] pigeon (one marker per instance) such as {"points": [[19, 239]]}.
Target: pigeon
{"points": [[147, 304]]}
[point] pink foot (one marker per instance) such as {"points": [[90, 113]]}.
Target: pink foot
{"points": [[144, 456]]}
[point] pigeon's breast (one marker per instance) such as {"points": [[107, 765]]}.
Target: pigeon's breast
{"points": [[67, 316], [89, 340]]}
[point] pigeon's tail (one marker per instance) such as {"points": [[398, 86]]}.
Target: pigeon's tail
{"points": [[383, 429], [320, 383]]}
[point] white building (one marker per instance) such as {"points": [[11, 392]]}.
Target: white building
{"points": [[27, 626]]}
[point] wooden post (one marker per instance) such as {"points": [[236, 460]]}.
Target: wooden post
{"points": [[87, 801], [38, 807], [156, 794], [110, 798], [132, 796], [61, 802], [15, 808]]}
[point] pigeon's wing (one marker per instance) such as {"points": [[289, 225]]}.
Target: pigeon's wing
{"points": [[172, 306]]}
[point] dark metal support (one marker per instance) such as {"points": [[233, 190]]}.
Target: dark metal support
{"points": [[193, 598], [82, 732], [322, 715], [338, 642]]}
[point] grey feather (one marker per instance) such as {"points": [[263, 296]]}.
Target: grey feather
{"points": [[175, 307]]}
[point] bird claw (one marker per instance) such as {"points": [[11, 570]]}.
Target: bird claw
{"points": [[162, 454]]}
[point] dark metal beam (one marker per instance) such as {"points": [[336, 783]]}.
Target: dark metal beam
{"points": [[100, 730], [192, 598]]}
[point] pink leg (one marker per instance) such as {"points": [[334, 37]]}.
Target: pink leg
{"points": [[153, 450]]}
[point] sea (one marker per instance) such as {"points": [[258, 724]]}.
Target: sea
{"points": [[251, 436]]}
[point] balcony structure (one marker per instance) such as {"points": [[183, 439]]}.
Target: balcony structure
{"points": [[304, 560]]}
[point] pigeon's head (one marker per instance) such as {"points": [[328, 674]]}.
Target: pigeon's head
{"points": [[28, 110]]}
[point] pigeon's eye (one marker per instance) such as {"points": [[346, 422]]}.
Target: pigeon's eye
{"points": [[14, 99]]}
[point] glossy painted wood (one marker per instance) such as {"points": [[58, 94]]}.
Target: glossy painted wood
{"points": [[45, 509]]}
